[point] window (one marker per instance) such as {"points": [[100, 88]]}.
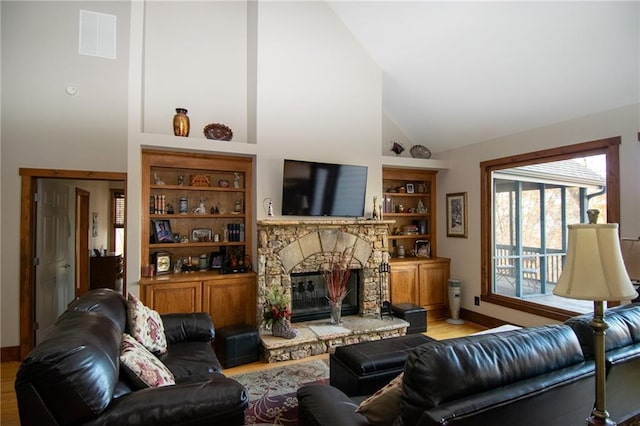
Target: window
{"points": [[527, 202], [117, 242]]}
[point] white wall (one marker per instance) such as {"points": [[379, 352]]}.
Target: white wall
{"points": [[464, 176], [392, 133], [318, 97], [43, 127], [196, 58]]}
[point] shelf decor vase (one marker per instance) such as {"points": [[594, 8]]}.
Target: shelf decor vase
{"points": [[336, 312], [181, 123]]}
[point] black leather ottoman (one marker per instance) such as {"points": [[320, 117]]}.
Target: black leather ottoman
{"points": [[415, 315], [364, 368], [237, 344]]}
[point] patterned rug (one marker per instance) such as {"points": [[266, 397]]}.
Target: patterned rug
{"points": [[272, 392]]}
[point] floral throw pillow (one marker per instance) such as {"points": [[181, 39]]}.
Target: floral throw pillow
{"points": [[383, 407], [141, 366], [146, 326]]}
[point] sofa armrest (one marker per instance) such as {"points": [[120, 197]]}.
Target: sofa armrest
{"points": [[220, 400], [326, 405], [187, 327]]}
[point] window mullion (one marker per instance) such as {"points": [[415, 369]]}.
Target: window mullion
{"points": [[518, 245]]}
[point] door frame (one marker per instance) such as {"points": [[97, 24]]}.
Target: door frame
{"points": [[29, 179], [81, 281]]}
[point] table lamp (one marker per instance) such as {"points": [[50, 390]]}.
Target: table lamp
{"points": [[594, 270]]}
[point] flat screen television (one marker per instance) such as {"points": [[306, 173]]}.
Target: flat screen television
{"points": [[323, 189]]}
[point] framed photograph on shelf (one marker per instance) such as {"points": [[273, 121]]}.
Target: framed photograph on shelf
{"points": [[410, 188], [215, 260], [200, 235], [457, 215], [423, 248], [162, 231]]}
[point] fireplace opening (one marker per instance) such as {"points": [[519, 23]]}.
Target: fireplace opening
{"points": [[309, 296]]}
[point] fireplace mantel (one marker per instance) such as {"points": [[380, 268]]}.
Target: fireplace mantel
{"points": [[288, 246]]}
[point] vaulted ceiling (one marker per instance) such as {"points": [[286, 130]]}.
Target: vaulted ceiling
{"points": [[458, 73]]}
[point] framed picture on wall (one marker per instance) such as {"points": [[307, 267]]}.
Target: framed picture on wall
{"points": [[457, 215]]}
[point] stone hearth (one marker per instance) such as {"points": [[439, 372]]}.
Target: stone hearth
{"points": [[318, 337]]}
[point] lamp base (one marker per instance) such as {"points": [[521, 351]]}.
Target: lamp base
{"points": [[599, 415], [594, 420]]}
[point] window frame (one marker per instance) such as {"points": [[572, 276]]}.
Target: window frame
{"points": [[608, 146]]}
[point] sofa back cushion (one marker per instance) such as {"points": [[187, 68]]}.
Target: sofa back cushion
{"points": [[631, 315], [105, 301], [72, 374], [439, 372], [624, 328]]}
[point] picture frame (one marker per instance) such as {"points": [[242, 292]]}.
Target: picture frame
{"points": [[232, 259], [410, 188], [423, 248], [215, 260], [162, 231], [200, 235], [94, 224], [457, 215]]}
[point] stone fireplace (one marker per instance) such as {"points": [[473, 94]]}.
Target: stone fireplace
{"points": [[287, 247]]}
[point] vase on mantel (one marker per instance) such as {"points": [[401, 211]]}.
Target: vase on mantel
{"points": [[181, 123], [336, 312]]}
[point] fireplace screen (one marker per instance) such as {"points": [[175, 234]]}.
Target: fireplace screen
{"points": [[309, 296]]}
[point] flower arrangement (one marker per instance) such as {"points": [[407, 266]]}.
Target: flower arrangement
{"points": [[277, 308], [336, 274], [336, 278], [277, 314]]}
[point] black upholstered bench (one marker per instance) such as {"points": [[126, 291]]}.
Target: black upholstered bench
{"points": [[415, 315], [364, 368], [237, 344]]}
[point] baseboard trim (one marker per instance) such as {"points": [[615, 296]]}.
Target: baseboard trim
{"points": [[10, 353], [481, 319]]}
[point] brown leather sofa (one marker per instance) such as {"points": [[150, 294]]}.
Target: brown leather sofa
{"points": [[523, 377], [538, 375], [74, 375]]}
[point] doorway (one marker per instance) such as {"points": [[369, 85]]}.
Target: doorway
{"points": [[30, 238]]}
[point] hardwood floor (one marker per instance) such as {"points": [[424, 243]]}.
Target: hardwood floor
{"points": [[439, 330], [8, 403]]}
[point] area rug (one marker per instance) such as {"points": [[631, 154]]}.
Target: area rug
{"points": [[272, 392]]}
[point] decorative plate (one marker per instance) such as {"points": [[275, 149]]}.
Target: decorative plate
{"points": [[419, 151], [218, 132]]}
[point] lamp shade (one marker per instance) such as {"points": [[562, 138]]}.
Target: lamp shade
{"points": [[594, 269], [631, 257]]}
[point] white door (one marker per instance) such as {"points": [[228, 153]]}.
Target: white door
{"points": [[54, 253]]}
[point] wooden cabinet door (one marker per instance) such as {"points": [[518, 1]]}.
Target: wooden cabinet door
{"points": [[175, 297], [404, 283], [433, 288], [231, 300]]}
